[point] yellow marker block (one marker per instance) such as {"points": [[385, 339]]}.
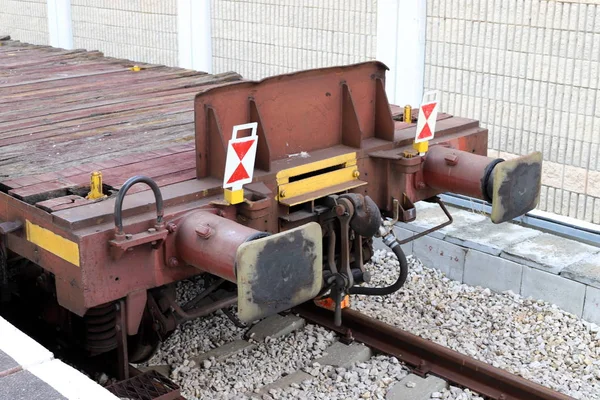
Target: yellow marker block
{"points": [[234, 196], [50, 241], [95, 186], [135, 68], [421, 147], [346, 160], [408, 114]]}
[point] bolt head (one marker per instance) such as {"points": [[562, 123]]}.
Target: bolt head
{"points": [[173, 262], [451, 159], [356, 174], [128, 236], [282, 193], [171, 227], [204, 231], [151, 230], [366, 276]]}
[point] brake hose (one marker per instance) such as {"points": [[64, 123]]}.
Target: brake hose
{"points": [[392, 243]]}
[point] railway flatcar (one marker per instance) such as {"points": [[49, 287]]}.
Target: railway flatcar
{"points": [[117, 180]]}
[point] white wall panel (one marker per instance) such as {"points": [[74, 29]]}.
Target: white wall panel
{"points": [[529, 71], [140, 30], [259, 38], [24, 20]]}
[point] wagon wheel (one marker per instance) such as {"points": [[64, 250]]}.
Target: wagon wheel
{"points": [[143, 345]]}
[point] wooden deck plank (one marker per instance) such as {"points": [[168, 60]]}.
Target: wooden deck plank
{"points": [[53, 90], [72, 173], [91, 82], [133, 118], [161, 92], [113, 177], [102, 110], [66, 113], [130, 147]]}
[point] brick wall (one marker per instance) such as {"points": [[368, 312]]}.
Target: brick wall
{"points": [[140, 30], [259, 38], [529, 71], [24, 20]]}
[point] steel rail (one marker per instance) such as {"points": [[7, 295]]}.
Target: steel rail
{"points": [[426, 356]]}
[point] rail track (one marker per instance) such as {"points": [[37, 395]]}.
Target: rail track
{"points": [[422, 356], [428, 357]]}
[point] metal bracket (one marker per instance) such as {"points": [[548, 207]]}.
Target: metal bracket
{"points": [[9, 227], [408, 212], [435, 228], [6, 228], [126, 243]]}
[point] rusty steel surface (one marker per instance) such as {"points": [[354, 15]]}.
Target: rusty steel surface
{"points": [[332, 153], [349, 114], [425, 356], [209, 243], [333, 157], [319, 116], [278, 271], [446, 168]]}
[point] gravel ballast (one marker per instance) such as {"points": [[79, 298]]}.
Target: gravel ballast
{"points": [[367, 380], [529, 338]]}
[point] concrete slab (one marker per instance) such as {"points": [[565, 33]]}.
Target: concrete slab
{"points": [[565, 293], [591, 307], [7, 364], [549, 253], [492, 272], [413, 387], [20, 347], [275, 326], [24, 385], [225, 351], [282, 383], [491, 238], [430, 215], [69, 382], [29, 371], [447, 257], [343, 355], [585, 271]]}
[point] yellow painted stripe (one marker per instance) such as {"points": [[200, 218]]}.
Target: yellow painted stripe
{"points": [[317, 182], [50, 241], [346, 159]]}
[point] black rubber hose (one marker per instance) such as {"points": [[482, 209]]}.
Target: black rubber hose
{"points": [[384, 291]]}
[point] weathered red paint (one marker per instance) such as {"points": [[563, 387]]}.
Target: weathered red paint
{"points": [[209, 242], [450, 170], [325, 112]]}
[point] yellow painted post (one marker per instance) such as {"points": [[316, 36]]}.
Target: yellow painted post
{"points": [[234, 196], [421, 147], [95, 186], [408, 114]]}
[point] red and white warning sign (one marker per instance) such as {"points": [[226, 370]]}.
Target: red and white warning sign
{"points": [[427, 117], [241, 153]]}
